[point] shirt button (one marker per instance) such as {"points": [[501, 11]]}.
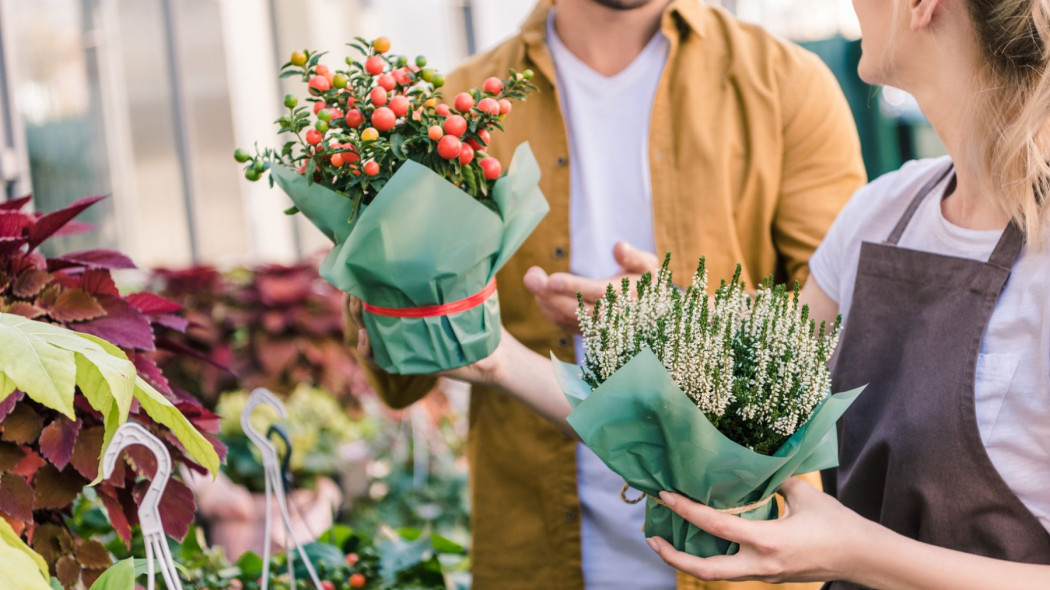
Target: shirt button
{"points": [[563, 342], [563, 161], [571, 515], [559, 253]]}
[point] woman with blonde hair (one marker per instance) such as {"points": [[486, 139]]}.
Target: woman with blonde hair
{"points": [[944, 479], [942, 273]]}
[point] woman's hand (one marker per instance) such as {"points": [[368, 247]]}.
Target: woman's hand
{"points": [[814, 540]]}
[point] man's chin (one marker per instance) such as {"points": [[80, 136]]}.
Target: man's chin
{"points": [[622, 4]]}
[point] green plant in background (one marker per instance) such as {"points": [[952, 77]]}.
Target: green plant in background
{"points": [[317, 427], [345, 559]]}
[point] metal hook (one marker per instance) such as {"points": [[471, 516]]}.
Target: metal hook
{"points": [[274, 488], [128, 435]]}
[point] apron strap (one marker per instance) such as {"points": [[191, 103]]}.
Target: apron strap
{"points": [[1008, 250], [898, 231]]}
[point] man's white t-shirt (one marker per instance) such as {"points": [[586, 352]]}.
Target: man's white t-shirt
{"points": [[1013, 367], [610, 199]]}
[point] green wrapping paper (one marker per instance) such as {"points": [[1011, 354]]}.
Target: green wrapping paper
{"points": [[645, 428], [424, 242]]}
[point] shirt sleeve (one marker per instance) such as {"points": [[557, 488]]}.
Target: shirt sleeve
{"points": [[822, 164]]}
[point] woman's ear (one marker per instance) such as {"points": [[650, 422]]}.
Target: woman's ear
{"points": [[922, 12]]}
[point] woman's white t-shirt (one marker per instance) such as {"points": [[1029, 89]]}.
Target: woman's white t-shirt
{"points": [[1013, 368]]}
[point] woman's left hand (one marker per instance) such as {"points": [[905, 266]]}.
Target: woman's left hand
{"points": [[816, 539]]}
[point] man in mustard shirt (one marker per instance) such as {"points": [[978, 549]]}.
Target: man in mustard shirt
{"points": [[670, 125]]}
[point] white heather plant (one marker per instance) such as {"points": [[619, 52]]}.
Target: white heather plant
{"points": [[757, 366]]}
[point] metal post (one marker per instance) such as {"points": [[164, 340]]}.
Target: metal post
{"points": [[468, 26], [180, 119], [278, 59]]}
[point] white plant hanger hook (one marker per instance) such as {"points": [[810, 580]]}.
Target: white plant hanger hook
{"points": [[274, 488], [157, 549]]}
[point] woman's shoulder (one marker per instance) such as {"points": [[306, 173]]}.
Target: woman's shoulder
{"points": [[886, 197]]}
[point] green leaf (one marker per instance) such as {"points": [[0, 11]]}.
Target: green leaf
{"points": [[395, 145], [119, 576], [7, 387], [250, 564], [470, 179], [291, 210], [20, 566], [46, 373], [161, 410], [443, 545]]}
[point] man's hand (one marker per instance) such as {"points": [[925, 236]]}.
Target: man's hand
{"points": [[556, 294]]}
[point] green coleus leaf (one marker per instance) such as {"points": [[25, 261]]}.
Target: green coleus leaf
{"points": [[47, 373], [20, 566], [46, 362], [163, 412], [120, 576]]}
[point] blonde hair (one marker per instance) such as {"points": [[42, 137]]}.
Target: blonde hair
{"points": [[1012, 145]]}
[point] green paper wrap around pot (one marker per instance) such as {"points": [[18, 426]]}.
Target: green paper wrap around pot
{"points": [[424, 242], [647, 430]]}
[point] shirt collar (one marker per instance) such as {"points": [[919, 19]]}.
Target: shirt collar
{"points": [[692, 13]]}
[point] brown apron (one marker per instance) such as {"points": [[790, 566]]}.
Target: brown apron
{"points": [[910, 453]]}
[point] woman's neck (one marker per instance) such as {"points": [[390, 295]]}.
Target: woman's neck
{"points": [[946, 92]]}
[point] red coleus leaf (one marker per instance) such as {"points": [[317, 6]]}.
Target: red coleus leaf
{"points": [[92, 554], [57, 440], [73, 228], [275, 355], [25, 309], [76, 305], [118, 517], [14, 223], [15, 204], [152, 304], [109, 259], [29, 464], [9, 404], [148, 370], [67, 570], [10, 456], [30, 282], [22, 425], [179, 348], [54, 489], [171, 321], [51, 542], [98, 281], [85, 457], [9, 245], [283, 288], [122, 325], [16, 497], [176, 507], [47, 225], [142, 461]]}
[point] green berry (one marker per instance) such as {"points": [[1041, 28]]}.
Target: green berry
{"points": [[321, 126], [290, 100], [438, 81], [421, 61], [324, 115], [339, 80], [251, 174], [428, 75], [402, 61], [260, 166], [527, 74], [240, 155]]}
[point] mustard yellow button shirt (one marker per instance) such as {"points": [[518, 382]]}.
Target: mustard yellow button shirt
{"points": [[753, 152]]}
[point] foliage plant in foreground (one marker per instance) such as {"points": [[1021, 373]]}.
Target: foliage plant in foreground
{"points": [[755, 365], [74, 365]]}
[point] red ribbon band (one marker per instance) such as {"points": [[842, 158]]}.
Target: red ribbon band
{"points": [[431, 311]]}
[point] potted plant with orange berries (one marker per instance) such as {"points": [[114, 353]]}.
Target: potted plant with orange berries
{"points": [[420, 216]]}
